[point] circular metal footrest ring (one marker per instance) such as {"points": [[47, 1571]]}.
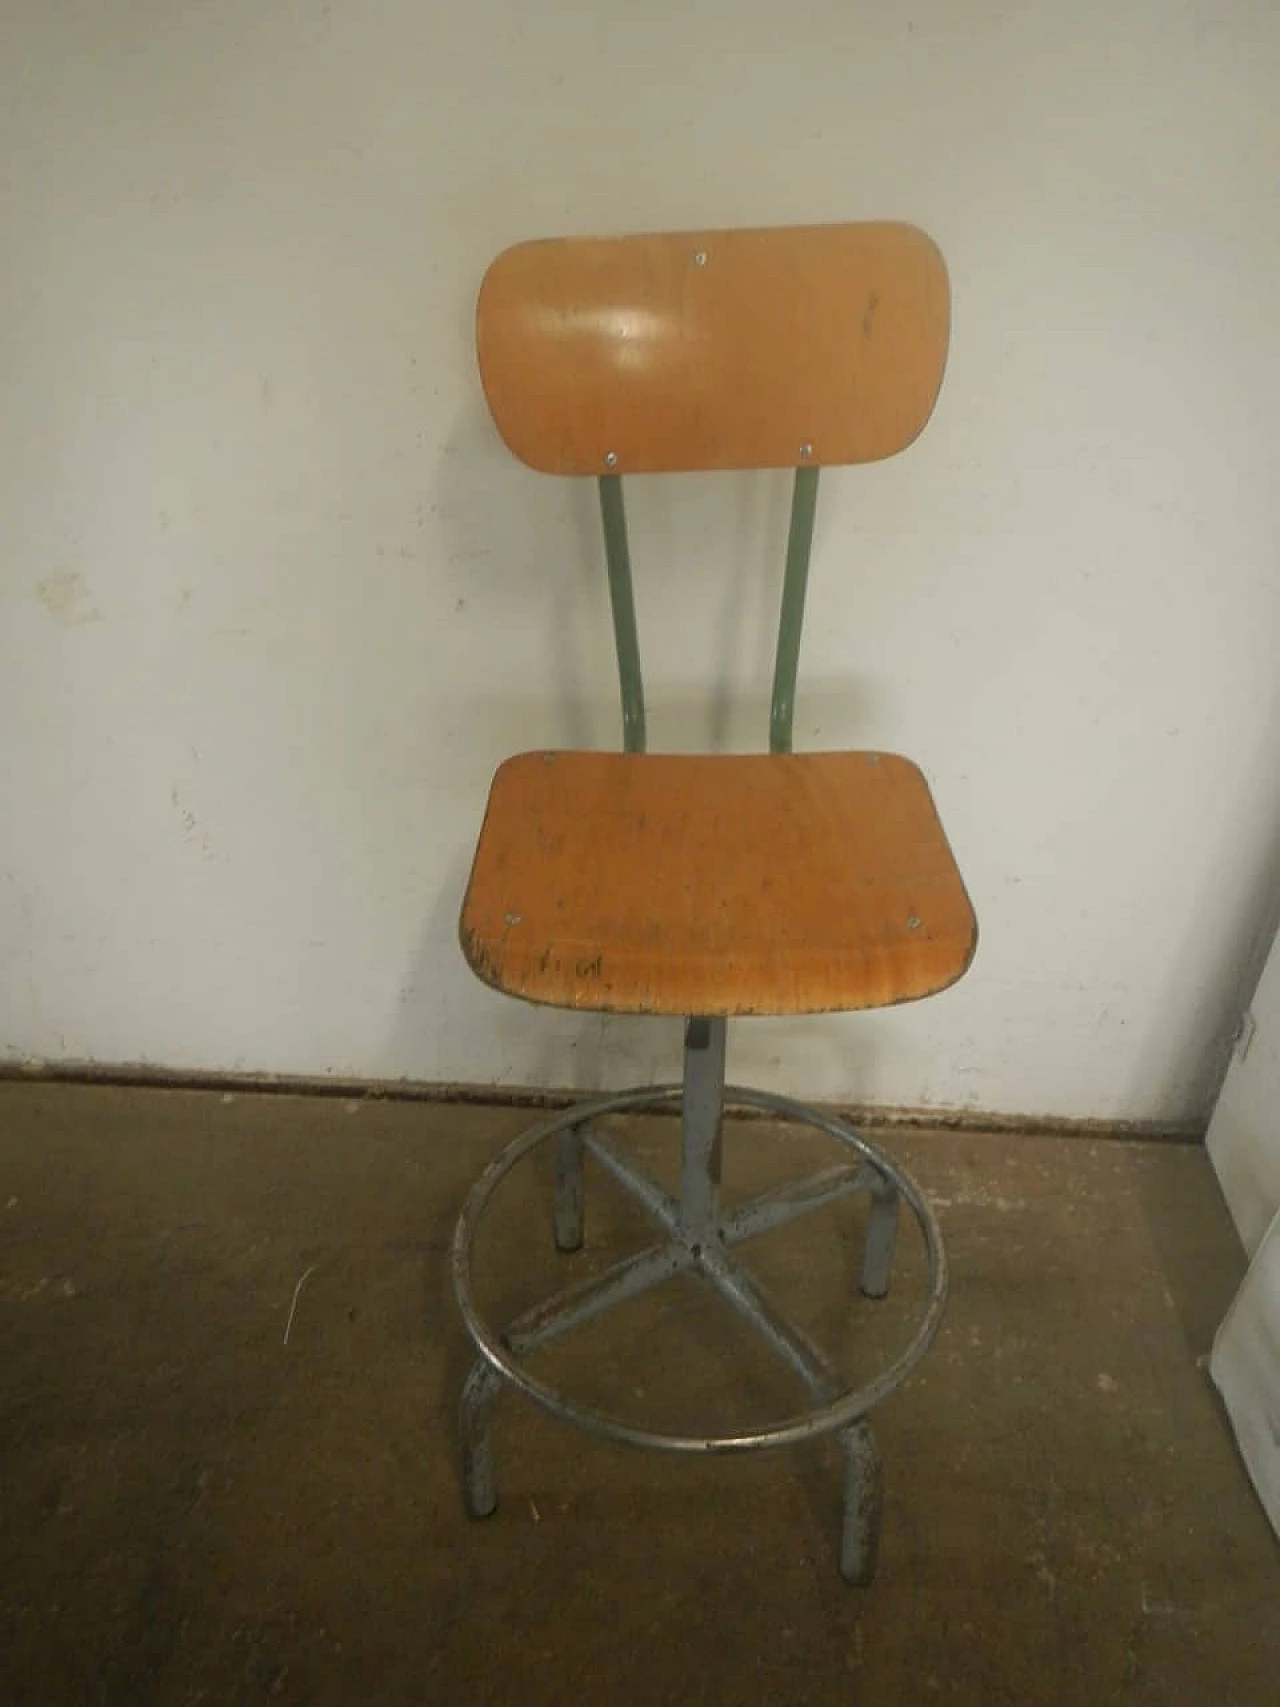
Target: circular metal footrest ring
{"points": [[845, 1409]]}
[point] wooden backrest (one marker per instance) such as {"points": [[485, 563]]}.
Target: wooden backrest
{"points": [[774, 348]]}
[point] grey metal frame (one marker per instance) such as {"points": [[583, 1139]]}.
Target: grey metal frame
{"points": [[698, 1236]]}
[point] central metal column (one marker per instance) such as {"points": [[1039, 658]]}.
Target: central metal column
{"points": [[701, 1113]]}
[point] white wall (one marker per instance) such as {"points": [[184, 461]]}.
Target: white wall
{"points": [[275, 601]]}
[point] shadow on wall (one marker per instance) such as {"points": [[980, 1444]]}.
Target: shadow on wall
{"points": [[527, 549], [523, 573], [522, 554]]}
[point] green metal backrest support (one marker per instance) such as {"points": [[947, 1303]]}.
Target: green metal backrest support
{"points": [[794, 584], [786, 347]]}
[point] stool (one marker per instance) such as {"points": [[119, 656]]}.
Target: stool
{"points": [[709, 886]]}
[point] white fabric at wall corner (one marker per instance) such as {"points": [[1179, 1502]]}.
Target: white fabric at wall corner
{"points": [[1246, 1369], [1244, 1134], [1244, 1143]]}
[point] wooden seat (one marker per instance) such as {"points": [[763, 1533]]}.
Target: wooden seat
{"points": [[719, 885]]}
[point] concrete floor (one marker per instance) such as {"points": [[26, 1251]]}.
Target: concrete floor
{"points": [[193, 1510]]}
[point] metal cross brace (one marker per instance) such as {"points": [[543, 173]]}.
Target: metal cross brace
{"points": [[698, 1237]]}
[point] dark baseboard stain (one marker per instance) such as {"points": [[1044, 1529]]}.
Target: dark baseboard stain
{"points": [[144, 1077]]}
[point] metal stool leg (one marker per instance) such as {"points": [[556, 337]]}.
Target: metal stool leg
{"points": [[475, 1415], [699, 1239], [882, 1236], [863, 1496], [569, 1190], [702, 1108]]}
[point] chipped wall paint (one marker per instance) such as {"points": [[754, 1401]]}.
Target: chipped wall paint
{"points": [[274, 602]]}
